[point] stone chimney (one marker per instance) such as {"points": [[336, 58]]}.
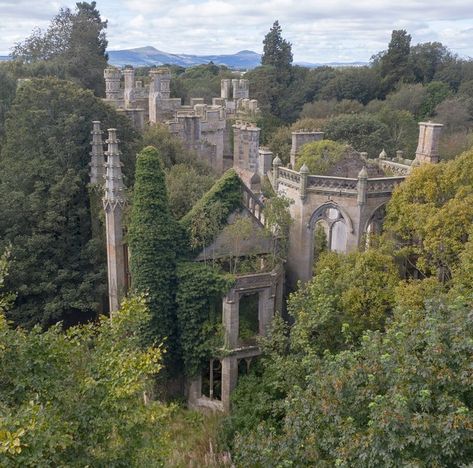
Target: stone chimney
{"points": [[113, 204], [97, 160], [265, 161], [129, 74], [301, 138], [225, 88], [428, 144]]}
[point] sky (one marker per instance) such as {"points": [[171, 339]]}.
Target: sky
{"points": [[319, 30]]}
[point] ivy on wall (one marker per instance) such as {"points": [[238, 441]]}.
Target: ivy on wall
{"points": [[198, 300], [208, 216], [152, 239]]}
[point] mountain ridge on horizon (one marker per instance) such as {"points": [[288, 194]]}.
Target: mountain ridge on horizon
{"points": [[244, 59], [150, 56]]}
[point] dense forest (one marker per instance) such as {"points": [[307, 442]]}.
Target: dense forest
{"points": [[373, 364]]}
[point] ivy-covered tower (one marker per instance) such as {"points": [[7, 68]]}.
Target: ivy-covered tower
{"points": [[113, 204]]}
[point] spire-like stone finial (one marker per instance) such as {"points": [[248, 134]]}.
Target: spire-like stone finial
{"points": [[114, 187], [304, 169], [277, 161], [383, 155], [97, 161], [363, 174]]}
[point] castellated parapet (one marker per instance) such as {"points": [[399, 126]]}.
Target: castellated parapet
{"points": [[203, 128]]}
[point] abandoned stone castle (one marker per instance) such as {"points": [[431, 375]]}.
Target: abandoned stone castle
{"points": [[349, 203]]}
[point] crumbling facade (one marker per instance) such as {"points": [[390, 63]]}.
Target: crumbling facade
{"points": [[349, 207]]}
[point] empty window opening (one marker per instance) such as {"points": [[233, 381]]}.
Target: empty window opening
{"points": [[249, 319], [212, 380]]}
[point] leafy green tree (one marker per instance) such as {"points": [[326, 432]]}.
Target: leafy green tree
{"points": [[152, 239], [404, 397], [352, 292], [408, 97], [7, 94], [430, 215], [364, 132], [57, 269], [436, 92], [74, 44], [426, 59], [319, 156], [402, 129], [277, 52], [185, 186], [76, 398]]}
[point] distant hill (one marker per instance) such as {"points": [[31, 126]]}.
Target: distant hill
{"points": [[148, 56]]}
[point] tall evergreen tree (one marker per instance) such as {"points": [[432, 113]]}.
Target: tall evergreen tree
{"points": [[57, 269], [276, 51], [395, 63], [152, 240]]}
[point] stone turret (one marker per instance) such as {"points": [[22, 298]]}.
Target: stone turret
{"points": [[129, 94], [112, 77], [113, 203], [301, 138], [97, 160], [246, 146], [159, 90], [428, 145]]}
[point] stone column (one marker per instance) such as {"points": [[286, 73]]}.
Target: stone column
{"points": [[229, 379], [265, 160], [276, 165], [113, 203], [129, 74], [236, 90], [97, 160], [362, 186], [231, 319], [304, 173]]}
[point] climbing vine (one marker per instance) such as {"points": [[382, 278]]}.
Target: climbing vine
{"points": [[210, 213], [198, 299]]}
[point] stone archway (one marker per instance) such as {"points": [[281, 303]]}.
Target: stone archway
{"points": [[374, 224], [337, 225]]}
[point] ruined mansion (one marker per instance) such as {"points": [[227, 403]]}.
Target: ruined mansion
{"points": [[348, 203]]}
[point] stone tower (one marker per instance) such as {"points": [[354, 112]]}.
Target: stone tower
{"points": [[113, 204], [246, 146], [112, 77], [428, 145], [97, 160], [159, 90]]}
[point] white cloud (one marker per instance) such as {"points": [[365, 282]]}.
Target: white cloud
{"points": [[320, 30]]}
